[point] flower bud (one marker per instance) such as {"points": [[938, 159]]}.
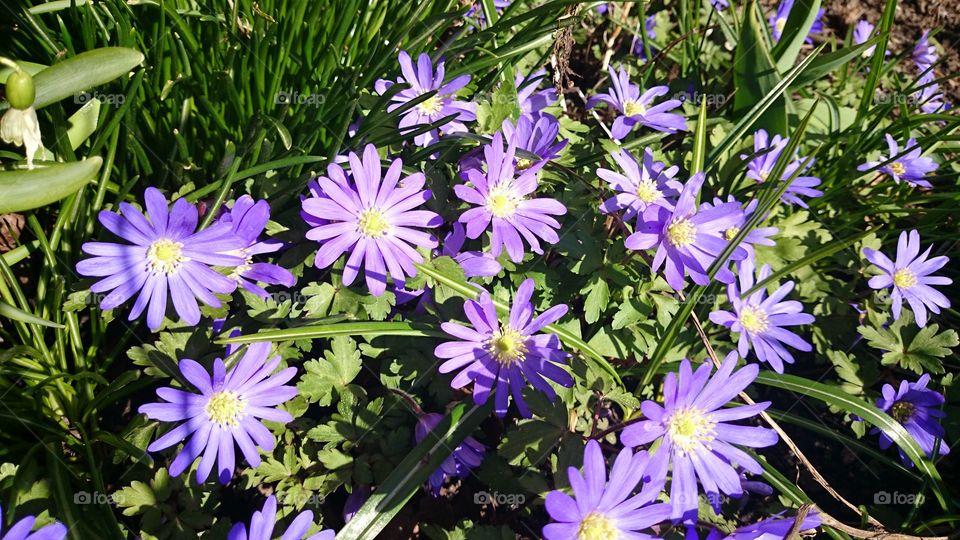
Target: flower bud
{"points": [[20, 90]]}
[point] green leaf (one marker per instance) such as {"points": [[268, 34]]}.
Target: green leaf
{"points": [[823, 64], [756, 76], [413, 471], [802, 16], [366, 329], [83, 72], [598, 295], [341, 366], [10, 312], [913, 348], [28, 189]]}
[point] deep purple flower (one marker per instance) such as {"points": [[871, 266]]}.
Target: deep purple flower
{"points": [[636, 109], [910, 277], [21, 530], [641, 185], [688, 240], [928, 98], [695, 436], [168, 256], [774, 528], [758, 235], [248, 219], [529, 97], [263, 522], [602, 509], [924, 54], [501, 200], [910, 166], [650, 27], [372, 217], [917, 409], [466, 456], [423, 79], [228, 408], [761, 320], [779, 21], [536, 133], [760, 167], [355, 501], [505, 356]]}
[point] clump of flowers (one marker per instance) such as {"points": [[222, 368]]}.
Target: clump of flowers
{"points": [[247, 220], [640, 185], [768, 151]]}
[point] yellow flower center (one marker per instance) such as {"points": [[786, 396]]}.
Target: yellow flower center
{"points": [[753, 319], [373, 223], [647, 191], [781, 22], [165, 256], [225, 408], [689, 429], [898, 168], [431, 105], [731, 233], [524, 164], [597, 526], [901, 411], [501, 203], [904, 278], [681, 232], [507, 346], [631, 108], [764, 175]]}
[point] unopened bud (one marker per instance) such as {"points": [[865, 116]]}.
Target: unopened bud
{"points": [[20, 90]]}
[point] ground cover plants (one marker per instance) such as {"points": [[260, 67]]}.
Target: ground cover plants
{"points": [[474, 270]]}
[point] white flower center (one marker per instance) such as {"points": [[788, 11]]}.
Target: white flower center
{"points": [[647, 191], [681, 232], [904, 278], [753, 319], [501, 202], [225, 408], [373, 223], [507, 346], [632, 107], [165, 256], [597, 526], [431, 105], [690, 429]]}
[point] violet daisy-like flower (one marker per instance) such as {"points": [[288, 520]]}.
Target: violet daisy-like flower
{"points": [[373, 217], [501, 199], [862, 32], [474, 263], [602, 508], [760, 167], [263, 522], [466, 456], [21, 530], [929, 98], [636, 108], [530, 98], [917, 409], [687, 239], [910, 277], [168, 257], [910, 166], [226, 408], [640, 185], [248, 219], [758, 235], [774, 528], [505, 356], [696, 440], [536, 133], [761, 320], [778, 21], [924, 54], [422, 79]]}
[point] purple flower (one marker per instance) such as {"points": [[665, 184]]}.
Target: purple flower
{"points": [[466, 456], [373, 219], [423, 79], [476, 10], [928, 97], [687, 240], [474, 263], [168, 254], [263, 522], [917, 409], [247, 220], [530, 99], [640, 186], [636, 109], [862, 32], [910, 166], [21, 530], [761, 320], [536, 133], [650, 27], [774, 528], [924, 54], [355, 501], [505, 356], [227, 409], [695, 436], [720, 5], [759, 235], [501, 201], [760, 167], [779, 21], [910, 278], [600, 508]]}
